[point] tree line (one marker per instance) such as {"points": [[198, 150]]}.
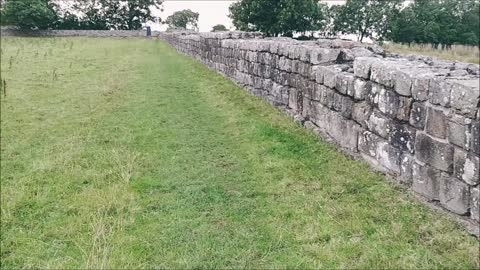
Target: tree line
{"points": [[444, 22]]}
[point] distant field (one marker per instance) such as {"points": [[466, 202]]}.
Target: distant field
{"points": [[461, 53], [121, 153]]}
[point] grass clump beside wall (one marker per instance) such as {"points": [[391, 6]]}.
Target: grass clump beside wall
{"points": [[124, 154]]}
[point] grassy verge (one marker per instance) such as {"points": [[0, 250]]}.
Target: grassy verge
{"points": [[120, 153], [467, 54]]}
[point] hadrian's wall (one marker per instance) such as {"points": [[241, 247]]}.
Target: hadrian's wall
{"points": [[416, 119], [74, 33]]}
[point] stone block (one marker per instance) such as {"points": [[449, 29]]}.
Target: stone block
{"points": [[406, 167], [465, 96], [475, 203], [454, 195], [385, 100], [361, 88], [329, 77], [403, 82], [285, 64], [404, 106], [280, 93], [436, 124], [434, 152], [402, 136], [420, 87], [344, 82], [475, 139], [379, 153], [379, 124], [361, 112], [426, 181], [466, 167], [439, 91], [418, 115], [362, 66], [459, 131], [323, 55], [295, 100], [383, 73]]}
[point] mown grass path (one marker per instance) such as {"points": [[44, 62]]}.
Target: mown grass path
{"points": [[121, 153]]}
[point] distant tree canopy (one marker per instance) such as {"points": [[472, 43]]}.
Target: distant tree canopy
{"points": [[219, 28], [29, 14], [438, 22], [365, 18], [278, 17], [186, 19], [82, 14]]}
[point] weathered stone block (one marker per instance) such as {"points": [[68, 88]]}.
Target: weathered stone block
{"points": [[466, 167], [385, 100], [475, 203], [379, 152], [362, 66], [454, 195], [344, 132], [420, 87], [402, 136], [323, 55], [465, 95], [426, 181], [361, 88], [439, 91], [433, 152], [329, 77], [280, 93], [295, 100], [436, 124], [418, 115], [475, 139], [404, 106], [344, 82], [406, 167], [459, 131], [361, 112], [403, 82], [327, 97], [383, 73]]}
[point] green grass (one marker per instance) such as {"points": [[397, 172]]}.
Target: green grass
{"points": [[461, 53], [121, 153]]}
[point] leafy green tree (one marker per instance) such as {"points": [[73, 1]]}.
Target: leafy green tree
{"points": [[438, 22], [278, 17], [185, 19], [29, 14], [115, 14], [219, 28], [366, 18]]}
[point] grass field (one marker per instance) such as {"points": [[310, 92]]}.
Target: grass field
{"points": [[461, 53], [121, 153]]}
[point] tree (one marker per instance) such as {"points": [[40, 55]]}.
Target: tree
{"points": [[115, 14], [29, 14], [278, 17], [437, 22], [185, 19], [366, 18], [219, 28]]}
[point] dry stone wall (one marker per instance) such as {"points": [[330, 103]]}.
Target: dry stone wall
{"points": [[415, 118]]}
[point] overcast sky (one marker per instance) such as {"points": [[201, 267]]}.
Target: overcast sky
{"points": [[211, 12]]}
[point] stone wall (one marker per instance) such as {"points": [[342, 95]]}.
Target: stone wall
{"points": [[414, 118], [75, 33]]}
